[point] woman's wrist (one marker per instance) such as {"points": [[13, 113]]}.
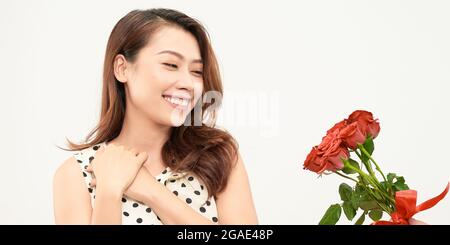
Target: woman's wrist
{"points": [[151, 196], [108, 192]]}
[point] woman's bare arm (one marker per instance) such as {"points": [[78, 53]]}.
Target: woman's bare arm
{"points": [[72, 203], [235, 204]]}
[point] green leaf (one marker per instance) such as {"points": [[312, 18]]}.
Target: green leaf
{"points": [[332, 215], [391, 177], [377, 195], [369, 146], [361, 219], [355, 199], [359, 189], [400, 179], [352, 162], [400, 186], [376, 214], [349, 211], [368, 205], [345, 191]]}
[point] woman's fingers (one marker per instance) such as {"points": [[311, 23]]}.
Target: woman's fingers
{"points": [[89, 168], [416, 222]]}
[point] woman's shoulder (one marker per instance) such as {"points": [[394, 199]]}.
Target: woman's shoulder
{"points": [[66, 168], [71, 168]]}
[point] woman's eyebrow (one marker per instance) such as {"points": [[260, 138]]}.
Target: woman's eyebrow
{"points": [[180, 56]]}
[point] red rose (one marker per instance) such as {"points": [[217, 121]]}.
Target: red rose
{"points": [[337, 127], [347, 133], [330, 142], [314, 162], [352, 135], [329, 157], [334, 158], [366, 123]]}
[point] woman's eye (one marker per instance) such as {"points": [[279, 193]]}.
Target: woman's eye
{"points": [[170, 65], [199, 73]]}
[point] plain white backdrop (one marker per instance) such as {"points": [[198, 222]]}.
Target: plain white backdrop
{"points": [[309, 63]]}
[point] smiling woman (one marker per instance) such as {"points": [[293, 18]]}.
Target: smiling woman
{"points": [[147, 161]]}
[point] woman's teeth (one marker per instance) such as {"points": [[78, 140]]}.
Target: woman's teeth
{"points": [[177, 101]]}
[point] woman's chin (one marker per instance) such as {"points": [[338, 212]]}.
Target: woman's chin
{"points": [[177, 120]]}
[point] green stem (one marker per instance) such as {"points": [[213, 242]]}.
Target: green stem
{"points": [[366, 164], [364, 175], [377, 167], [347, 177], [372, 181], [387, 209]]}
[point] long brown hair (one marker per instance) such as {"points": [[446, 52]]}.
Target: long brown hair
{"points": [[208, 152]]}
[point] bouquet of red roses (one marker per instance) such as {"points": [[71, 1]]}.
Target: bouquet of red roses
{"points": [[373, 191]]}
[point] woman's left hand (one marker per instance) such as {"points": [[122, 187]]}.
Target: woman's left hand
{"points": [[139, 188]]}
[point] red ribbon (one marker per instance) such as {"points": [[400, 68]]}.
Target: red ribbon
{"points": [[405, 205]]}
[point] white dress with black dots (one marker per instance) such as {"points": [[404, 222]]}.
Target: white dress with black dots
{"points": [[185, 186]]}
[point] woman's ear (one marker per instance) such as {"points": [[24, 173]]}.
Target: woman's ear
{"points": [[120, 68]]}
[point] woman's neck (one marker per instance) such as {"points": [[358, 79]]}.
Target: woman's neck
{"points": [[140, 133]]}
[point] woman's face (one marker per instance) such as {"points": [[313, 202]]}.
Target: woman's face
{"points": [[165, 81]]}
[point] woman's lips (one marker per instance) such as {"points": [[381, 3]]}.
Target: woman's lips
{"points": [[176, 102]]}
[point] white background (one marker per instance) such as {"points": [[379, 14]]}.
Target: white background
{"points": [[324, 59]]}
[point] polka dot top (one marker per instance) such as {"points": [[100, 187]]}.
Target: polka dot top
{"points": [[185, 186]]}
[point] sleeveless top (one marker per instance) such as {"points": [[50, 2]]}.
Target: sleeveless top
{"points": [[185, 186]]}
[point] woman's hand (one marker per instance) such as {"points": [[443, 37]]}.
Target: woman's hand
{"points": [[115, 167], [139, 189], [416, 222], [141, 186]]}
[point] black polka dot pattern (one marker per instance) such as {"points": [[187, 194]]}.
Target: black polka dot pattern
{"points": [[183, 185]]}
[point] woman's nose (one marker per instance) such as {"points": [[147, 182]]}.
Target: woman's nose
{"points": [[185, 81]]}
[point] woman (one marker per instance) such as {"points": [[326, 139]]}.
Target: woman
{"points": [[155, 156]]}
